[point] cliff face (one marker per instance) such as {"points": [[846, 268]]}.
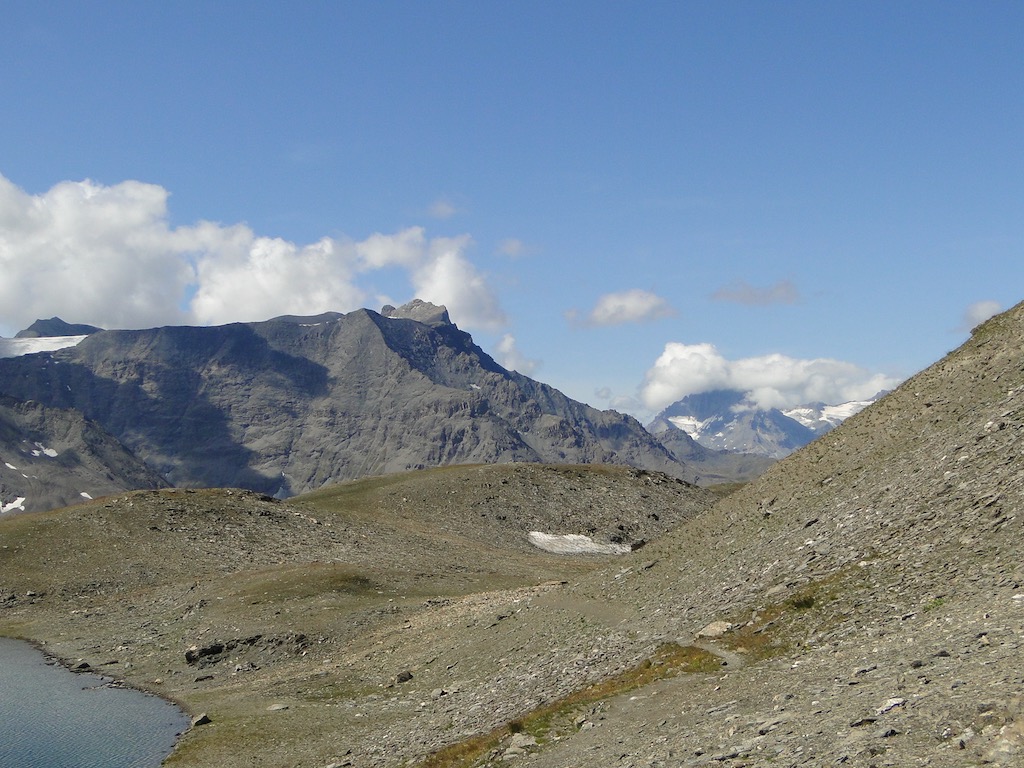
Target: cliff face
{"points": [[294, 403]]}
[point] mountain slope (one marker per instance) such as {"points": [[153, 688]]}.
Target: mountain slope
{"points": [[292, 404], [278, 617], [54, 457], [873, 585]]}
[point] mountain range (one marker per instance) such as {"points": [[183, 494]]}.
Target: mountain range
{"points": [[296, 403]]}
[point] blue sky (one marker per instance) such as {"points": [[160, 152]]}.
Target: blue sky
{"points": [[629, 201]]}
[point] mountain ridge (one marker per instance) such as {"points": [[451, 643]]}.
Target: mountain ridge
{"points": [[288, 405], [52, 457]]}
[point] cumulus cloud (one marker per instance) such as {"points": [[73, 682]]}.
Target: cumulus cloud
{"points": [[102, 254], [446, 277], [770, 381], [978, 313], [509, 356], [108, 256], [742, 292], [633, 306]]}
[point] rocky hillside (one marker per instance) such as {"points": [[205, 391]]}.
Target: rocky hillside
{"points": [[294, 404], [51, 457], [237, 601], [861, 604]]}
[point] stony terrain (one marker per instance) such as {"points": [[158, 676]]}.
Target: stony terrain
{"points": [[232, 602], [861, 604]]}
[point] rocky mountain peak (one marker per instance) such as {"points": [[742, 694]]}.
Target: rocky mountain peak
{"points": [[420, 311]]}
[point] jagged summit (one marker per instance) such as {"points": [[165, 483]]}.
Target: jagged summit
{"points": [[728, 420], [420, 311]]}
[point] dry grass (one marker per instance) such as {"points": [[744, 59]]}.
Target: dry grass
{"points": [[667, 661]]}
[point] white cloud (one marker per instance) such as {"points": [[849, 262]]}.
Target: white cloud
{"points": [[270, 276], [771, 381], [446, 277], [509, 356], [633, 306], [979, 312], [108, 256], [102, 255], [742, 292]]}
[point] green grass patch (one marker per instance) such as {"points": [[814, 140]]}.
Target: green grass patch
{"points": [[934, 604]]}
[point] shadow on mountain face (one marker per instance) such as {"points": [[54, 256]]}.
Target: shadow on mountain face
{"points": [[428, 348], [162, 392]]}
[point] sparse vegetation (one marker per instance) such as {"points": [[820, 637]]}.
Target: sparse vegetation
{"points": [[669, 660]]}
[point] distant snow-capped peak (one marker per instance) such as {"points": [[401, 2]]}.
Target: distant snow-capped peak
{"points": [[820, 418], [729, 420]]}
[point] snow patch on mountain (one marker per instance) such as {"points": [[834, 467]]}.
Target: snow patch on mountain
{"points": [[17, 504], [574, 544], [691, 426], [820, 418]]}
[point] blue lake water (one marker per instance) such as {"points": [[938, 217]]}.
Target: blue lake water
{"points": [[53, 718]]}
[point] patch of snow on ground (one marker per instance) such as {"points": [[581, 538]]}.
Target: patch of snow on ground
{"points": [[9, 465], [85, 495], [19, 347], [43, 450], [18, 503], [574, 544]]}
